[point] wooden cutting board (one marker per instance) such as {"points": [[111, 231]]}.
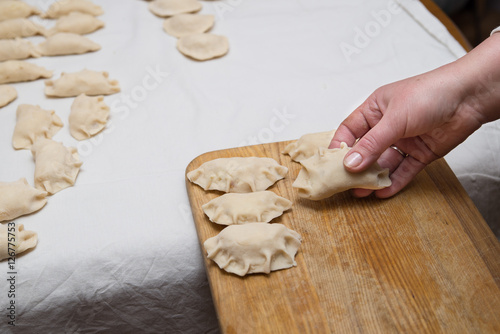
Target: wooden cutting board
{"points": [[423, 261]]}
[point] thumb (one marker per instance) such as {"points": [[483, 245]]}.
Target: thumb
{"points": [[369, 148]]}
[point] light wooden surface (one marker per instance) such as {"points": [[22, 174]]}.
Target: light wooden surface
{"points": [[423, 261]]}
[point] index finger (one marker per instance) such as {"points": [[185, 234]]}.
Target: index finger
{"points": [[355, 126]]}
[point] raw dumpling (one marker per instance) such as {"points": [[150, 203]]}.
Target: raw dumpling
{"points": [[32, 123], [16, 9], [24, 240], [203, 46], [7, 95], [88, 116], [20, 27], [83, 82], [77, 23], [238, 175], [19, 198], [18, 48], [65, 43], [308, 144], [257, 207], [323, 175], [188, 24], [56, 166], [164, 8], [254, 248], [18, 71], [64, 7]]}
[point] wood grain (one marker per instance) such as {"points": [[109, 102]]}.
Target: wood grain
{"points": [[423, 261]]}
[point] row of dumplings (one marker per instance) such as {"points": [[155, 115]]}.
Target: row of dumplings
{"points": [[249, 244], [60, 44], [323, 173], [74, 18], [190, 28], [88, 116], [73, 22], [68, 85], [56, 166], [11, 9]]}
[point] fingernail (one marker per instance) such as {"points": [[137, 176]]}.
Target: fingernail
{"points": [[353, 160]]}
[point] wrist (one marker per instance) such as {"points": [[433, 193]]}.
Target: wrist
{"points": [[479, 72]]}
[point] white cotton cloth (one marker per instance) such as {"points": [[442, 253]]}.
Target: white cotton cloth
{"points": [[118, 252]]}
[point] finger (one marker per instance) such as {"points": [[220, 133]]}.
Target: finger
{"points": [[401, 176], [360, 193], [352, 128], [371, 146], [390, 159], [343, 135], [418, 149]]}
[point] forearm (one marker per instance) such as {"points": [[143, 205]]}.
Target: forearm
{"points": [[480, 70]]}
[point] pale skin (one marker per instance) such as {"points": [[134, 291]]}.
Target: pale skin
{"points": [[425, 116]]}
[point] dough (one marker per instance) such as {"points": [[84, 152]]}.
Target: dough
{"points": [[56, 166], [83, 82], [238, 175], [16, 9], [65, 43], [24, 240], [20, 27], [18, 71], [308, 144], [324, 175], [254, 248], [164, 8], [32, 123], [88, 116], [7, 95], [188, 24], [64, 7], [11, 49], [257, 207], [19, 198], [203, 46], [77, 23]]}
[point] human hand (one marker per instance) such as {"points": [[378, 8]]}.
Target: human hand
{"points": [[424, 116]]}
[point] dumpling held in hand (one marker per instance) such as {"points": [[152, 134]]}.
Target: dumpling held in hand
{"points": [[324, 175]]}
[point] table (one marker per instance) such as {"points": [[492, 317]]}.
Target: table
{"points": [[118, 252]]}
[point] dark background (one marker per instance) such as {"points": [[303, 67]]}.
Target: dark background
{"points": [[475, 18]]}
